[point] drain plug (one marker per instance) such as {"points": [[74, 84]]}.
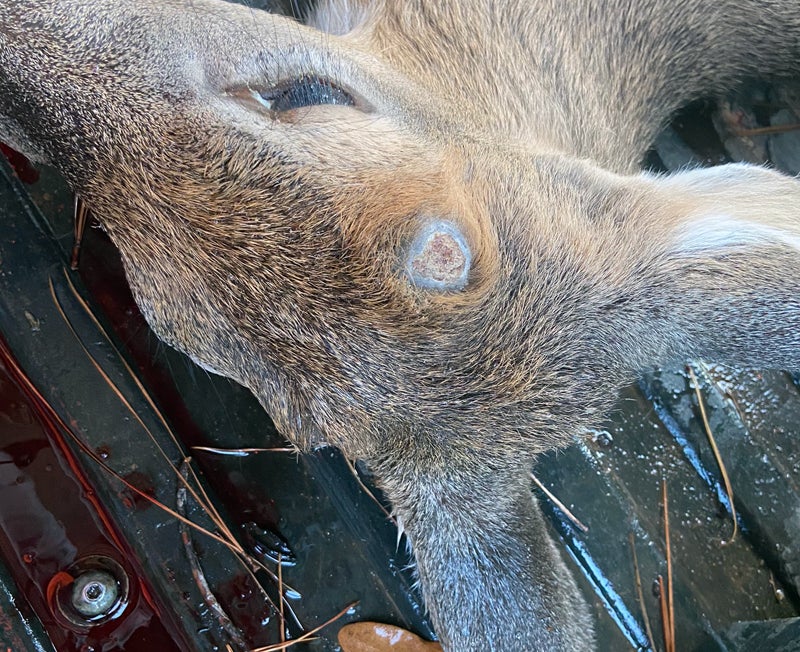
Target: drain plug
{"points": [[94, 593], [91, 591]]}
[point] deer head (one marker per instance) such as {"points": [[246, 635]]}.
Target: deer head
{"points": [[420, 236]]}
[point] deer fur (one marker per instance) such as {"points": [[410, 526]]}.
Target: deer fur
{"points": [[446, 277]]}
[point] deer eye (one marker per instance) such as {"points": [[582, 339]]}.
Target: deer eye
{"points": [[308, 90]]}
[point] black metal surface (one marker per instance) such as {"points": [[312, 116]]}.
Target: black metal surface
{"points": [[20, 628], [760, 636]]}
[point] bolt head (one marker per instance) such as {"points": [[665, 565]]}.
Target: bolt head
{"points": [[94, 593]]}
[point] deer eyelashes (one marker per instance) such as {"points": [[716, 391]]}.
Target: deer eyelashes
{"points": [[300, 92], [307, 90], [439, 257]]}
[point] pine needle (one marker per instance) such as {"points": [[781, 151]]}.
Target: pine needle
{"points": [[717, 456]]}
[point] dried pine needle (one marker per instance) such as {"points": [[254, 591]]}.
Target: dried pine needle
{"points": [[559, 504], [717, 456], [664, 609], [309, 635], [366, 490], [669, 626], [765, 131], [79, 222], [242, 452], [200, 580], [640, 593]]}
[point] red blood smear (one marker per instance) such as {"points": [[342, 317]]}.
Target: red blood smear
{"points": [[248, 610], [22, 166], [49, 519]]}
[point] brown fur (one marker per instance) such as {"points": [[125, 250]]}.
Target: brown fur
{"points": [[270, 246]]}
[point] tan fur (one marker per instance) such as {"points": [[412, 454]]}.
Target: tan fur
{"points": [[271, 245]]}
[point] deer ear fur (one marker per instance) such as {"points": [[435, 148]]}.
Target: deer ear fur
{"points": [[726, 273], [732, 208]]}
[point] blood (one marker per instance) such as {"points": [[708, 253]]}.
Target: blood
{"points": [[144, 484], [48, 521], [22, 167], [246, 607]]}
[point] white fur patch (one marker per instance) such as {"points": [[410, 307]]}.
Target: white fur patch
{"points": [[717, 232], [337, 17]]}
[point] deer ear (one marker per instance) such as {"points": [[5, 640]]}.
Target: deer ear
{"points": [[724, 248], [732, 208]]}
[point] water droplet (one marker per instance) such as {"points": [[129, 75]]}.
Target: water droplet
{"points": [[265, 544], [291, 594]]}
